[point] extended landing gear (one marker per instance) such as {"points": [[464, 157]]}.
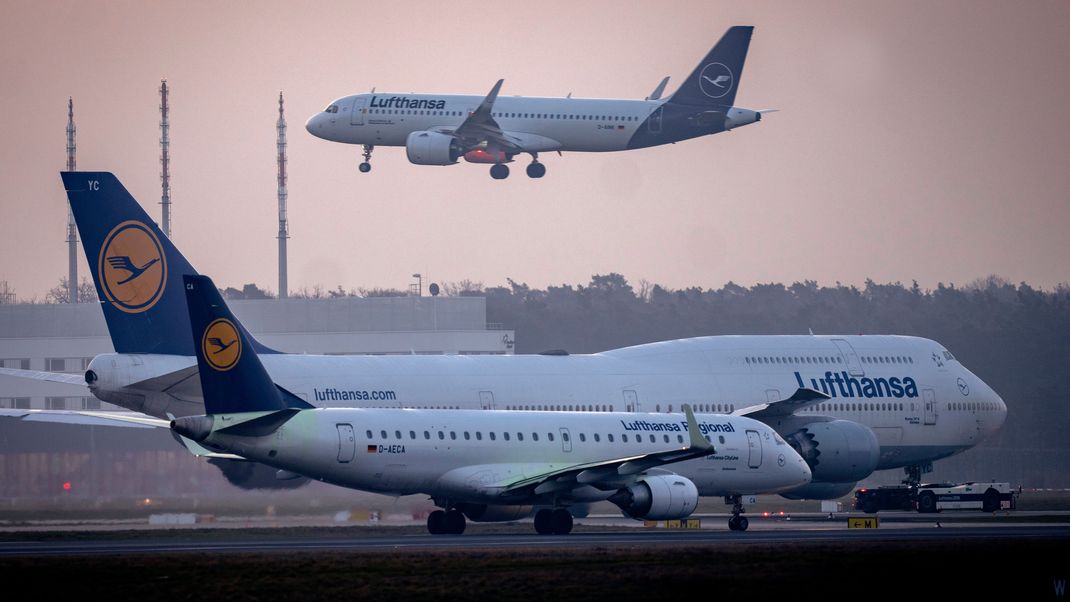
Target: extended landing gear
{"points": [[738, 522], [499, 171], [450, 522], [553, 522], [914, 472], [536, 169], [366, 166]]}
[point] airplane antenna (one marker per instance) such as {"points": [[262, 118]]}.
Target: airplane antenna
{"points": [[811, 331], [284, 225], [72, 228], [165, 158]]}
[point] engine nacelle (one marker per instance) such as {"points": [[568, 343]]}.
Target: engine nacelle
{"points": [[485, 513], [820, 491], [253, 475], [737, 117], [837, 451], [431, 148], [660, 497]]}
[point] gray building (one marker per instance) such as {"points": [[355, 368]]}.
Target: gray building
{"points": [[64, 337]]}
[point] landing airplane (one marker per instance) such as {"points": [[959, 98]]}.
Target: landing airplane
{"points": [[486, 465], [849, 405], [440, 129]]}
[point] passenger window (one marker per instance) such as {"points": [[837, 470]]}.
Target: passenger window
{"points": [[427, 435], [534, 436], [453, 435], [583, 438], [550, 436], [520, 436], [597, 438], [564, 436], [412, 435], [441, 435], [479, 435], [492, 437], [624, 437], [679, 438], [383, 433], [610, 437], [652, 440], [666, 438], [466, 436], [369, 434], [505, 435]]}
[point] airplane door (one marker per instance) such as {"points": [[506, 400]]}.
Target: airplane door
{"points": [[849, 355], [486, 400], [631, 401], [929, 397], [566, 440], [653, 123], [754, 449], [356, 116], [347, 443]]}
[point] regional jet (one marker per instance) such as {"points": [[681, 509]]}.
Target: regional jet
{"points": [[849, 404], [441, 129]]}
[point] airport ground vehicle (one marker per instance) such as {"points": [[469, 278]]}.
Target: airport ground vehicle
{"points": [[985, 496]]}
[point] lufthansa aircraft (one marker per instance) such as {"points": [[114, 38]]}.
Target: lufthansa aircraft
{"points": [[849, 405], [486, 465], [440, 129]]}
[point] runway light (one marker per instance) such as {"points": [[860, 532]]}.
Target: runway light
{"points": [[781, 513], [67, 486], [765, 514]]}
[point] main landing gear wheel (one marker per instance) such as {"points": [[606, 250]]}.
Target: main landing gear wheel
{"points": [[445, 523], [738, 522], [553, 522], [499, 171], [536, 170], [366, 166]]}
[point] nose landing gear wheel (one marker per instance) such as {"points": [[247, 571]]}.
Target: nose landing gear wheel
{"points": [[366, 166], [536, 170], [499, 171]]}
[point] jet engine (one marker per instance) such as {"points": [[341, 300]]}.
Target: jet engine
{"points": [[253, 475], [480, 155], [820, 491], [658, 497], [837, 451], [737, 117], [484, 513], [432, 148]]}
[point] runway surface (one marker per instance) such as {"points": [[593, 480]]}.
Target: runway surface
{"points": [[237, 544]]}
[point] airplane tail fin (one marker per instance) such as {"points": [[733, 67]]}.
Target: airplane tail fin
{"points": [[716, 79], [137, 270], [232, 378]]}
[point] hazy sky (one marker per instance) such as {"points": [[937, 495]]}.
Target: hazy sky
{"points": [[916, 140]]}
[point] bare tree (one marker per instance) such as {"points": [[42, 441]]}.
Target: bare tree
{"points": [[87, 293]]}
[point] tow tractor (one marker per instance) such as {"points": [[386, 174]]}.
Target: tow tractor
{"points": [[934, 497]]}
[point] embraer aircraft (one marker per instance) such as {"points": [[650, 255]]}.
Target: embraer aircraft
{"points": [[848, 404], [487, 465], [440, 129]]}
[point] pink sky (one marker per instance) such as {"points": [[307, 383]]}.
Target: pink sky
{"points": [[916, 140]]}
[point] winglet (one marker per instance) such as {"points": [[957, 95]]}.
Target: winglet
{"points": [[697, 440], [488, 102]]}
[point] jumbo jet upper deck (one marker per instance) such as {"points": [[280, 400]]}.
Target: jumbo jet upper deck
{"points": [[441, 129]]}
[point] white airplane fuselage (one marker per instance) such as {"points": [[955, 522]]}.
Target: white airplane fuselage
{"points": [[920, 402], [471, 456]]}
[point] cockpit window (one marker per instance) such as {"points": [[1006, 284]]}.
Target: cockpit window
{"points": [[331, 109]]}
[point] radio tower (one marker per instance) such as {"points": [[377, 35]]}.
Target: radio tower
{"points": [[165, 159], [72, 229], [284, 227]]}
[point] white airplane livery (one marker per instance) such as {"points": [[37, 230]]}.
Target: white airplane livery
{"points": [[441, 129], [486, 465], [848, 405]]}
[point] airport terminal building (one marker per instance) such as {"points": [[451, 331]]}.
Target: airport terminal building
{"points": [[65, 337]]}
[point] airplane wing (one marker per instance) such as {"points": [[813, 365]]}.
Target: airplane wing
{"points": [[610, 474], [803, 398], [55, 377], [480, 125], [87, 418]]}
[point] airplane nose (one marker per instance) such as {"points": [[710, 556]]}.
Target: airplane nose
{"points": [[314, 123]]}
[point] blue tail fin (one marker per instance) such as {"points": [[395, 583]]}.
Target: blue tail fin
{"points": [[137, 271], [716, 79], [232, 378]]}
